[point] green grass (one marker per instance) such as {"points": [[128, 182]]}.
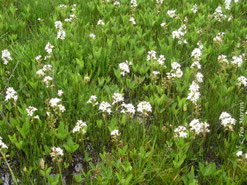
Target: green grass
{"points": [[146, 151]]}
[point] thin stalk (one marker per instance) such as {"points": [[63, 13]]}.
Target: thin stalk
{"points": [[13, 176], [59, 167]]}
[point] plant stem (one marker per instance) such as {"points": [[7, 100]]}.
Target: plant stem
{"points": [[60, 173], [13, 176]]}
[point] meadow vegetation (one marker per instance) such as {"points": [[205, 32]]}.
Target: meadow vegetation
{"points": [[123, 92]]}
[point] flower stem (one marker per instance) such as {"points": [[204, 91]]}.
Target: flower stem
{"points": [[13, 176]]}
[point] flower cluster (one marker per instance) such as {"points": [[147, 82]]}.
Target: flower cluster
{"points": [[105, 107], [41, 72], [54, 103], [240, 153], [227, 121], [49, 48], [133, 3], [117, 97], [132, 19], [222, 59], [175, 72], [218, 15], [219, 38], [125, 67], [2, 144], [6, 56], [56, 152], [100, 22], [242, 80], [31, 110], [91, 35], [115, 133], [128, 108], [194, 94], [61, 33], [199, 77], [93, 100], [159, 1], [194, 9], [199, 127], [151, 55], [80, 126], [11, 94], [179, 34], [237, 60], [144, 107], [172, 13], [181, 132]]}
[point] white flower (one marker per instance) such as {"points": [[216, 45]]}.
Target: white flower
{"points": [[61, 34], [161, 59], [6, 56], [175, 72], [115, 133], [133, 3], [218, 15], [38, 58], [132, 19], [58, 25], [116, 3], [237, 60], [87, 78], [124, 67], [117, 98], [40, 73], [91, 35], [60, 93], [156, 73], [31, 110], [159, 1], [242, 80], [47, 67], [54, 101], [163, 24], [56, 152], [181, 132], [223, 59], [2, 144], [196, 64], [178, 73], [239, 153], [61, 108], [49, 48], [227, 4], [128, 108], [80, 126], [196, 54], [199, 77], [219, 37], [100, 22], [144, 107], [11, 94], [194, 8], [47, 80], [92, 100], [171, 13], [175, 65], [151, 55], [199, 127], [179, 34], [105, 107], [194, 94], [227, 121]]}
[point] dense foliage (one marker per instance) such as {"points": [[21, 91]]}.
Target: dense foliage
{"points": [[123, 91]]}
